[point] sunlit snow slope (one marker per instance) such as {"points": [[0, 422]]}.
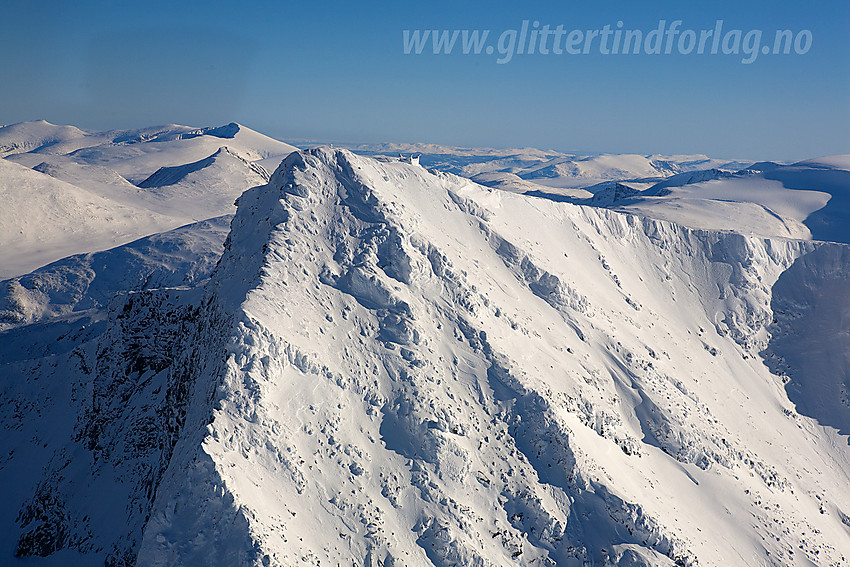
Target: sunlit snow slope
{"points": [[66, 191], [809, 199], [396, 367]]}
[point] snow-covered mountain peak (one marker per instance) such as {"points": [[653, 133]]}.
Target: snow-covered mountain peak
{"points": [[392, 365], [386, 343], [39, 134], [222, 157], [227, 131]]}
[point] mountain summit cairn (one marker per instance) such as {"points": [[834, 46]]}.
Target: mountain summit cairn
{"points": [[411, 159]]}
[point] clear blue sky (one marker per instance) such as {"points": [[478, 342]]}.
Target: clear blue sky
{"points": [[335, 71]]}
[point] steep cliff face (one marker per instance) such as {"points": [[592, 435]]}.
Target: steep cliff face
{"points": [[810, 335], [132, 390], [97, 391], [396, 367]]}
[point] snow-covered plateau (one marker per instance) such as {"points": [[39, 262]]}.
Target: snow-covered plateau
{"points": [[369, 362]]}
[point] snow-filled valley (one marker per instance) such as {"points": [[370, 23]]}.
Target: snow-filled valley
{"points": [[582, 360]]}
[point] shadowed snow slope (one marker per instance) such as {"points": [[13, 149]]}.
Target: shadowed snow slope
{"points": [[86, 282], [396, 367], [811, 335]]}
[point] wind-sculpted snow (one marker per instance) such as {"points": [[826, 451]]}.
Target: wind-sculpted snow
{"points": [[391, 366]]}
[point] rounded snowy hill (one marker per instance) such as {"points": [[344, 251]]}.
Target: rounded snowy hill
{"points": [[69, 191], [39, 135], [43, 219], [136, 154]]}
